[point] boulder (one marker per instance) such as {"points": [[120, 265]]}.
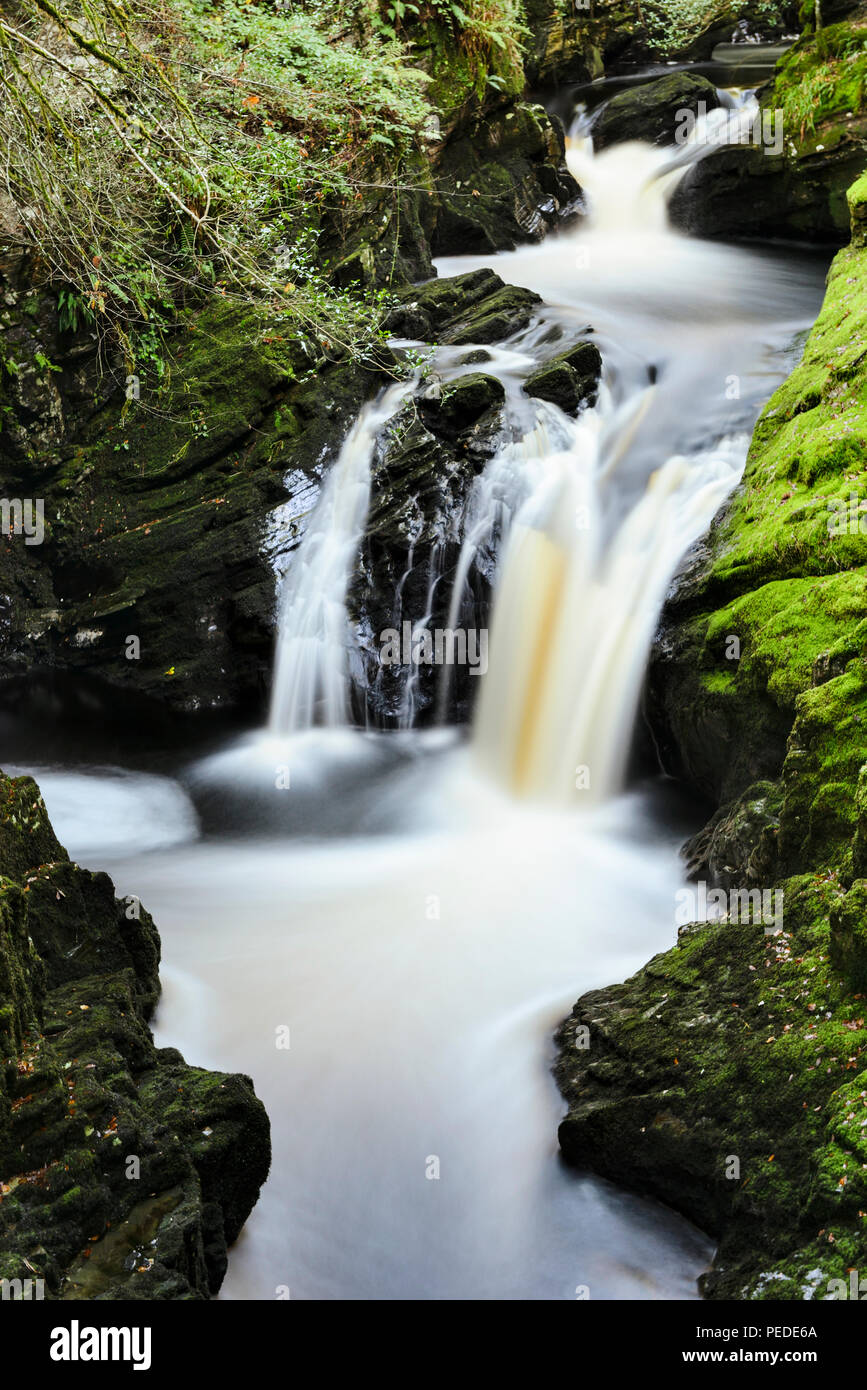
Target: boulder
{"points": [[124, 1173], [652, 112], [569, 380]]}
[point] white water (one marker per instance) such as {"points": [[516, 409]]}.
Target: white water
{"points": [[421, 971], [419, 929], [311, 681], [605, 506]]}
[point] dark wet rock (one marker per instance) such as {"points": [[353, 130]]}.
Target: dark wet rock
{"points": [[498, 316], [458, 404], [554, 382], [569, 380], [496, 178], [156, 508], [423, 474], [738, 844], [501, 182], [580, 45], [744, 191], [476, 307], [124, 1173], [697, 1082], [651, 111]]}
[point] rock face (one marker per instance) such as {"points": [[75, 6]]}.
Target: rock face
{"points": [[499, 182], [759, 669], [463, 309], [728, 1076], [155, 508], [124, 1172], [723, 1079], [585, 42], [652, 111], [423, 474], [493, 177]]}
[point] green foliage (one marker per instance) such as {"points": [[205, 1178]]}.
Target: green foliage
{"points": [[672, 23], [196, 147], [823, 77], [491, 32], [72, 309]]}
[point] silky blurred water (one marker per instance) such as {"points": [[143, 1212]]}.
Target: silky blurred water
{"points": [[420, 965], [408, 925]]}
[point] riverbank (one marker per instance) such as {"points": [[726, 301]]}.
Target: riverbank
{"points": [[727, 1077], [124, 1172], [180, 452]]}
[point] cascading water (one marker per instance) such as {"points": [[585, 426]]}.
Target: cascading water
{"points": [[416, 927], [603, 524], [311, 668]]}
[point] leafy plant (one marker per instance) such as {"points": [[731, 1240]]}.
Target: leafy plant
{"points": [[196, 151]]}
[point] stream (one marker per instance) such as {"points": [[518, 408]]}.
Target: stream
{"points": [[386, 940]]}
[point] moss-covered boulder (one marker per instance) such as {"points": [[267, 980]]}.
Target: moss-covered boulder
{"points": [[153, 573], [570, 380], [500, 182], [653, 111], [728, 1076], [726, 1079], [794, 181], [849, 935], [124, 1173], [760, 669], [457, 405], [473, 308]]}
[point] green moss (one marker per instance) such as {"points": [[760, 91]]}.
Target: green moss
{"points": [[823, 76], [82, 1088], [735, 1043]]}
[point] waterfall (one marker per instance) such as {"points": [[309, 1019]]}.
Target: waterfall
{"points": [[577, 602], [415, 910], [311, 681], [582, 522], [573, 623]]}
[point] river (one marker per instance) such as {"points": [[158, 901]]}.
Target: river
{"points": [[386, 940]]}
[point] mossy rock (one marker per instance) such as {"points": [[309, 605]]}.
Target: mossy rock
{"points": [[109, 1186], [461, 402], [849, 935], [464, 309], [798, 191], [649, 112], [570, 380]]}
